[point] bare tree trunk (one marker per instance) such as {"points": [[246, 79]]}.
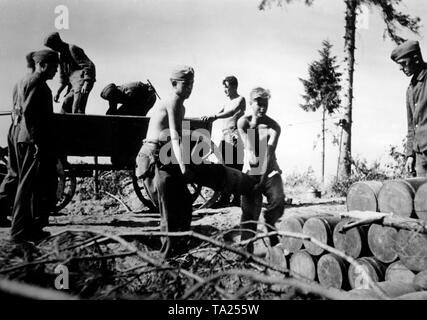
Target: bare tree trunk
{"points": [[323, 144], [349, 48]]}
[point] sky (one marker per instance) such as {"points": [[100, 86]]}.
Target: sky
{"points": [[130, 40]]}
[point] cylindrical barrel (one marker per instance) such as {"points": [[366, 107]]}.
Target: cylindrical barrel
{"points": [[381, 241], [321, 229], [397, 196], [411, 247], [332, 271], [352, 242], [291, 224], [372, 266], [420, 202], [398, 272], [302, 265], [363, 196]]}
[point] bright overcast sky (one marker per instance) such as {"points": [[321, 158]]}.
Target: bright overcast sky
{"points": [[139, 40]]}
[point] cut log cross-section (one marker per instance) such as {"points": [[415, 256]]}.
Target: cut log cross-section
{"points": [[303, 265], [411, 248], [292, 224], [363, 196], [332, 271], [397, 196], [382, 242], [353, 241], [420, 202], [398, 272], [372, 266], [321, 229]]}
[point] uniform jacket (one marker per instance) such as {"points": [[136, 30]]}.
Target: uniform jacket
{"points": [[76, 67], [416, 105], [32, 109]]}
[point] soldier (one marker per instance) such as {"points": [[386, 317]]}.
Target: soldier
{"points": [[35, 155], [10, 181], [77, 73], [136, 98], [260, 135], [408, 56], [166, 182], [230, 145]]}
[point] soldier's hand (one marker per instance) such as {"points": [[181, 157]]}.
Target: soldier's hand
{"points": [[208, 118], [409, 165], [87, 86]]}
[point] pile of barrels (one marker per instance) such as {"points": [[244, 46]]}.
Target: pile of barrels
{"points": [[390, 256]]}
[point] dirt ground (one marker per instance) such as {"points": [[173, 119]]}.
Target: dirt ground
{"points": [[110, 216]]}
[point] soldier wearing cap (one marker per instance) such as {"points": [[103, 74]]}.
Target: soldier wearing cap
{"points": [[231, 144], [10, 181], [35, 154], [136, 98], [260, 135], [408, 56], [166, 183], [77, 73]]}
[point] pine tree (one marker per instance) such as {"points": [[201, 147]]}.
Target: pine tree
{"points": [[322, 89]]}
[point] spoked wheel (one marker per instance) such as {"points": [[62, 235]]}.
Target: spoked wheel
{"points": [[66, 189], [208, 197], [142, 195]]}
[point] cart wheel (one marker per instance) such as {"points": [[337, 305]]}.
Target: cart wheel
{"points": [[208, 197], [142, 195], [66, 189]]}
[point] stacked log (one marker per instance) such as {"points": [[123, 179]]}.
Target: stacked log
{"points": [[382, 242], [420, 202], [303, 265], [352, 242], [292, 224], [363, 196], [320, 228], [332, 271], [392, 250], [375, 268], [397, 271], [397, 196]]}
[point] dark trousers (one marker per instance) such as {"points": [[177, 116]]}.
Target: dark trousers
{"points": [[421, 164], [167, 189], [75, 102], [233, 158], [35, 192], [10, 181], [251, 209]]}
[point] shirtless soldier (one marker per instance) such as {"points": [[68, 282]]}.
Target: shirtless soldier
{"points": [[260, 135], [232, 155], [166, 182]]}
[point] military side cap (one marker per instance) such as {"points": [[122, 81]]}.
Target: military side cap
{"points": [[45, 55], [405, 48], [182, 73], [106, 92], [52, 39]]}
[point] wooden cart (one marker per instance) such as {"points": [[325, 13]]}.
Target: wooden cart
{"points": [[117, 137]]}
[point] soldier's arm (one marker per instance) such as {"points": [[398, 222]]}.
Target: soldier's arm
{"points": [[175, 118], [84, 62], [247, 134], [239, 107], [35, 114]]}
